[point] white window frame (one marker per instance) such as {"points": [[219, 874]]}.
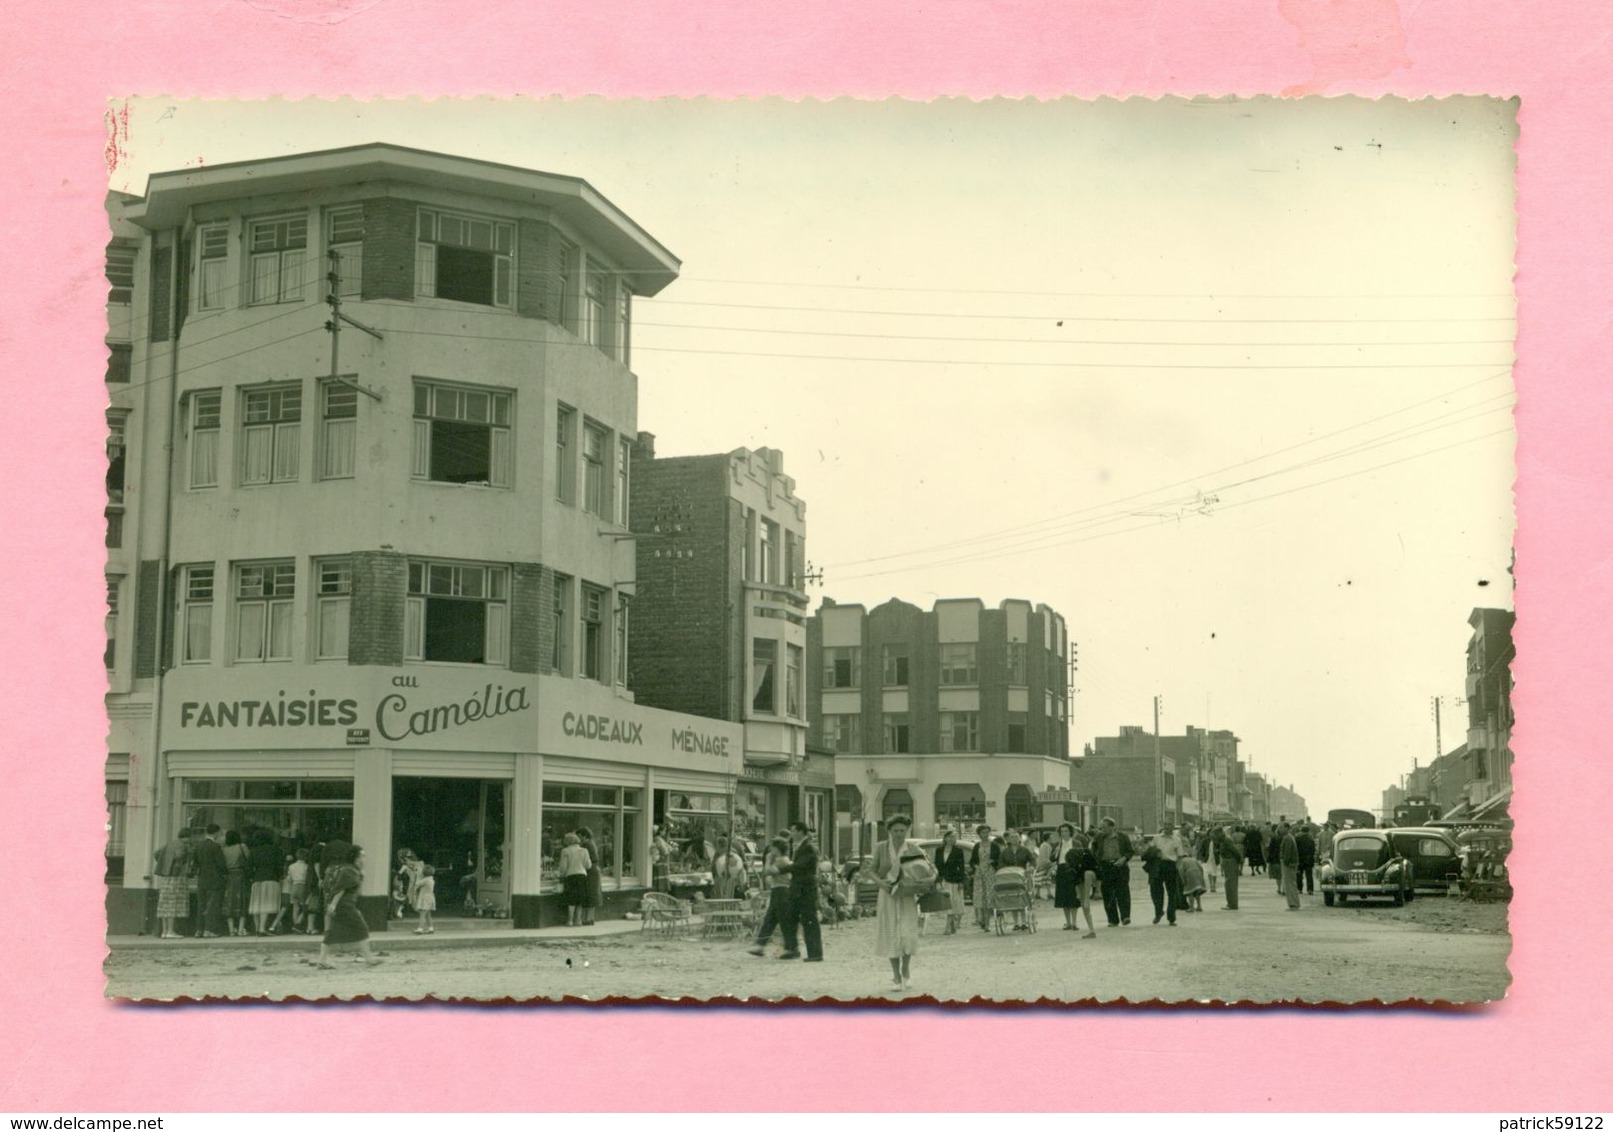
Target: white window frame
{"points": [[950, 722], [276, 266], [266, 591], [619, 638], [843, 732], [433, 226], [833, 657], [594, 599], [344, 235], [560, 613], [114, 587], [278, 431], [770, 551], [890, 723], [495, 594], [206, 430], [759, 675], [450, 402], [956, 671], [565, 454], [794, 680], [897, 657], [1016, 662], [624, 463], [212, 266], [595, 304], [338, 430], [333, 607], [595, 451], [197, 588]]}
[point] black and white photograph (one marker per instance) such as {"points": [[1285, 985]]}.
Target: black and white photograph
{"points": [[996, 551]]}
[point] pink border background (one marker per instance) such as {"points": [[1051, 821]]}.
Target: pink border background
{"points": [[62, 1048]]}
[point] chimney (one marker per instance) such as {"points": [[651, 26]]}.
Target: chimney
{"points": [[644, 446]]}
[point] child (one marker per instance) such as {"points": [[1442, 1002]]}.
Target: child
{"points": [[297, 885], [425, 899], [402, 880]]}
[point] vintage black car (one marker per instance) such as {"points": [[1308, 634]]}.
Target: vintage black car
{"points": [[1365, 863], [1436, 859]]}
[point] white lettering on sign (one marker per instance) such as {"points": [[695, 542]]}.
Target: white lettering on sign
{"points": [[603, 728], [395, 721], [696, 742]]}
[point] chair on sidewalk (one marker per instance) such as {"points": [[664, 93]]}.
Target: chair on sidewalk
{"points": [[663, 913]]}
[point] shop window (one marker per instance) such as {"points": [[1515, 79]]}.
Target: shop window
{"points": [[205, 414], [624, 463], [300, 813], [764, 662], [960, 804], [276, 251], [896, 735], [595, 446], [751, 817], [333, 607], [844, 733], [263, 597], [1019, 807], [793, 688], [338, 429], [611, 816], [958, 664], [117, 809], [897, 802], [271, 434], [960, 731], [113, 586], [565, 460], [896, 661], [344, 235], [1015, 662], [461, 435], [456, 614], [560, 613], [692, 822], [842, 666], [593, 632], [196, 614], [212, 264], [465, 258]]}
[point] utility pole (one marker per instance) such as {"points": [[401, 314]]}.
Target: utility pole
{"points": [[1439, 744], [334, 324]]}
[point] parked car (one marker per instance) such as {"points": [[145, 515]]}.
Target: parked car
{"points": [[1366, 863], [1436, 858]]}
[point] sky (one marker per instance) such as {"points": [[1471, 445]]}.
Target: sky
{"points": [[1225, 383]]}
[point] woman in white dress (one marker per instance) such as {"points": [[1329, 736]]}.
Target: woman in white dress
{"points": [[903, 871]]}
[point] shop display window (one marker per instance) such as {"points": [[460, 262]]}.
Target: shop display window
{"points": [[300, 812], [610, 813], [692, 823]]}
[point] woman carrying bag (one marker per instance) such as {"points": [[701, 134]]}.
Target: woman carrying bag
{"points": [[904, 873]]}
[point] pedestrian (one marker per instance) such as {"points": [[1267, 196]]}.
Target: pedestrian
{"points": [[234, 883], [1254, 850], [661, 852], [727, 871], [903, 872], [1015, 855], [425, 900], [1209, 858], [953, 871], [1073, 875], [297, 877], [264, 868], [344, 924], [1305, 841], [315, 901], [1114, 853], [1324, 841], [595, 894], [1274, 848], [778, 893], [1228, 847], [211, 877], [573, 878], [801, 909], [1190, 875], [983, 864], [1288, 855], [1165, 873], [172, 873]]}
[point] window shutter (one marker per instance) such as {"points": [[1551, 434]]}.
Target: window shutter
{"points": [[421, 467], [497, 633], [414, 628], [499, 474], [425, 270]]}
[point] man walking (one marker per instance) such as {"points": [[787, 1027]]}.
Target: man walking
{"points": [[212, 873], [1170, 850], [801, 909], [1288, 855], [1305, 840], [1228, 846], [1114, 852]]}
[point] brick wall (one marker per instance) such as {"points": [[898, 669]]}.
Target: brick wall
{"points": [[529, 594], [147, 616], [898, 623], [375, 628], [162, 260], [389, 240], [538, 270], [991, 657]]}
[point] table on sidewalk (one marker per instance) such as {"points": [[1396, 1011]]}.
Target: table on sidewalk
{"points": [[723, 917]]}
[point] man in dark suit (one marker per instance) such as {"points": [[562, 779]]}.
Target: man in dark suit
{"points": [[801, 908], [211, 876]]}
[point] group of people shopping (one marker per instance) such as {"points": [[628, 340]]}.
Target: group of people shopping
{"points": [[245, 883]]}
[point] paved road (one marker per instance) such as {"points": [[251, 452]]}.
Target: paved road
{"points": [[1435, 949]]}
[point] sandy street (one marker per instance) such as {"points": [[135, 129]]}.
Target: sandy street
{"points": [[1435, 949]]}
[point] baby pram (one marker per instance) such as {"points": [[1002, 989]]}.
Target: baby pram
{"points": [[1011, 901]]}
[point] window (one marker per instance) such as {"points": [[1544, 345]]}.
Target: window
{"points": [[263, 594], [750, 545], [593, 307], [792, 560], [896, 666], [117, 810], [1016, 735], [764, 659], [593, 632], [620, 654], [595, 443], [196, 615], [843, 733], [119, 362], [611, 816], [565, 460], [344, 235], [568, 259], [896, 735], [319, 809], [112, 587], [1016, 662], [624, 323], [212, 250], [960, 731], [896, 801], [277, 249], [120, 273], [958, 664], [205, 412], [560, 611], [456, 614], [116, 449], [842, 666], [960, 803], [333, 607], [624, 462], [465, 258], [461, 435], [793, 690], [338, 429], [769, 552], [271, 434]]}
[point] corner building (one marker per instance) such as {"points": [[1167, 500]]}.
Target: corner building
{"points": [[953, 716], [378, 585]]}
